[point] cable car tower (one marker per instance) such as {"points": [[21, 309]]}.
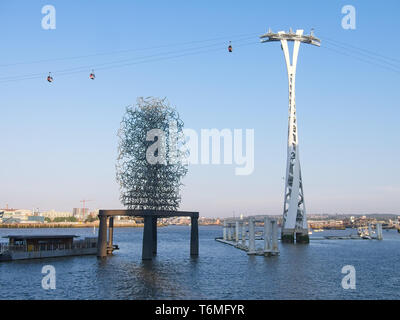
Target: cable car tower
{"points": [[294, 223]]}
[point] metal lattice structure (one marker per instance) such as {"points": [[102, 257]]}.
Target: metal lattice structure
{"points": [[294, 223], [145, 185]]}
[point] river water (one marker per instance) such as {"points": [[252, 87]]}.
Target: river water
{"points": [[220, 272]]}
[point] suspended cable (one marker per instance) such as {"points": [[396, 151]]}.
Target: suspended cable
{"points": [[363, 55], [237, 37], [86, 67], [362, 49], [120, 63], [361, 59], [367, 55]]}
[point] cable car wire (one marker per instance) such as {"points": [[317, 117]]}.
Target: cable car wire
{"points": [[129, 62], [371, 56], [371, 62], [85, 67], [372, 53], [239, 37], [342, 48]]}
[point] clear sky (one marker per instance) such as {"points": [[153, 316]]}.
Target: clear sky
{"points": [[58, 141]]}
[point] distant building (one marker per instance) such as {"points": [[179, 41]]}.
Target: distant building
{"points": [[95, 213], [38, 219], [56, 214], [15, 215], [80, 213]]}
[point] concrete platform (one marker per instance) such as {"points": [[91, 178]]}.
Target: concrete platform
{"points": [[257, 252]]}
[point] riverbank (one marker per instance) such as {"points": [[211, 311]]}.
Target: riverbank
{"points": [[67, 225], [51, 225]]}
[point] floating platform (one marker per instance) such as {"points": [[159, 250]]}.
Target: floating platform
{"points": [[257, 252], [23, 247], [351, 237], [261, 252]]}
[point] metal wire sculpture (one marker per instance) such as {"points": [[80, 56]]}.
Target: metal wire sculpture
{"points": [[151, 156]]}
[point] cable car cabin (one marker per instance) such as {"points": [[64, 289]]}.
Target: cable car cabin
{"points": [[92, 76], [49, 78], [230, 48]]}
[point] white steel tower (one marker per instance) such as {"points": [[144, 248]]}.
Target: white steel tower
{"points": [[294, 223]]}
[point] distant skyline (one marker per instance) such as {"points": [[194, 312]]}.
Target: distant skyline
{"points": [[381, 214], [59, 140]]}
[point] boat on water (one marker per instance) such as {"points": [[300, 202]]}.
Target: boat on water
{"points": [[318, 230], [21, 247], [364, 233], [367, 237]]}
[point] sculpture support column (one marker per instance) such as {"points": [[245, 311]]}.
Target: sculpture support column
{"points": [[147, 249], [110, 235], [154, 233], [102, 237], [194, 236], [105, 241]]}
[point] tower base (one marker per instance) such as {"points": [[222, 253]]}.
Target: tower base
{"points": [[290, 235], [287, 237], [302, 238]]}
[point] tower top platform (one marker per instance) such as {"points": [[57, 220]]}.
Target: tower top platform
{"points": [[291, 36]]}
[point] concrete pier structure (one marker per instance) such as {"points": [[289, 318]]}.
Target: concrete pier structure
{"points": [[248, 244], [369, 230], [270, 237], [252, 237], [274, 235], [267, 236], [243, 233], [105, 245], [229, 232], [379, 231], [225, 231]]}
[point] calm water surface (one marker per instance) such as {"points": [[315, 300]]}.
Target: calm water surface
{"points": [[220, 272]]}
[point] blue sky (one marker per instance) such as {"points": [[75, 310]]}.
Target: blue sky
{"points": [[59, 142]]}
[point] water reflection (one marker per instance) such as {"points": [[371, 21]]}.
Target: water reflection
{"points": [[220, 272]]}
